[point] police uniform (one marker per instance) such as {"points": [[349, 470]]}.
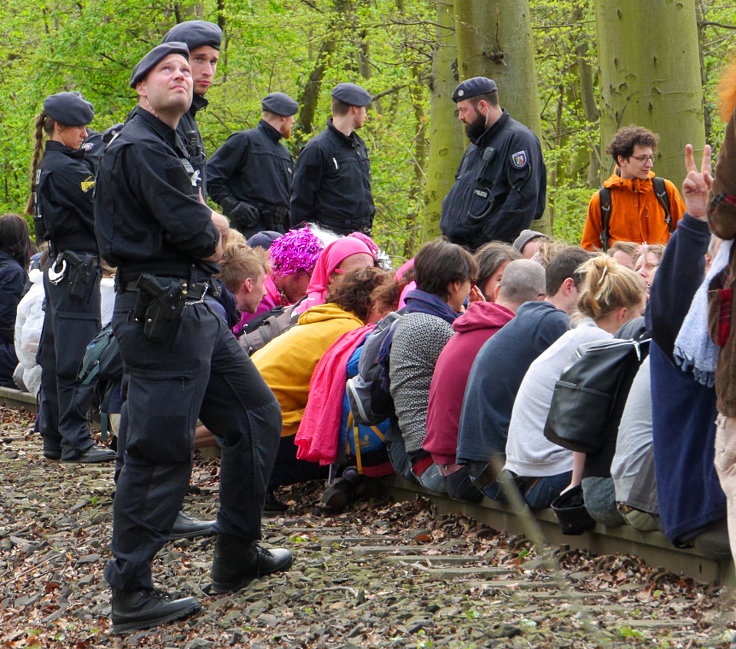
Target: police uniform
{"points": [[195, 33], [501, 184], [332, 180], [151, 225], [63, 198], [250, 175]]}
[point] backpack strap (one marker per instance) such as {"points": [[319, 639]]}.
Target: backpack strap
{"points": [[660, 190], [604, 195]]}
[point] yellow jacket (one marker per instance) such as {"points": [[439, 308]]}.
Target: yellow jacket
{"points": [[288, 361], [636, 214]]}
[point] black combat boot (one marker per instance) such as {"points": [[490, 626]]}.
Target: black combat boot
{"points": [[238, 561], [139, 609]]}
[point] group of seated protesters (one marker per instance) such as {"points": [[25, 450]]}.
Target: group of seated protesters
{"points": [[475, 348]]}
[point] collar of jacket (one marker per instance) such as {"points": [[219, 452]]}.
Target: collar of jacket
{"points": [[497, 126], [163, 130], [53, 145], [198, 103], [269, 130], [351, 140], [631, 184]]}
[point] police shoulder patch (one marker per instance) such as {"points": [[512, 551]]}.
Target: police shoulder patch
{"points": [[87, 184], [519, 159]]}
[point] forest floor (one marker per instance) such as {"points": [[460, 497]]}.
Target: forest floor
{"points": [[378, 575]]}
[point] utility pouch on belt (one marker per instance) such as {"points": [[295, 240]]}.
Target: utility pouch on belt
{"points": [[81, 272], [159, 306]]}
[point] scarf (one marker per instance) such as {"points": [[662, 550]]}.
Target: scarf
{"points": [[694, 350]]}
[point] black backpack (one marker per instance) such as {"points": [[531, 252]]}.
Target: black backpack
{"points": [[590, 396], [660, 191]]}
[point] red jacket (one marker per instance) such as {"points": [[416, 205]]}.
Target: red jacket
{"points": [[472, 329], [636, 214]]}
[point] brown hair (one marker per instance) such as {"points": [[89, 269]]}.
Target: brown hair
{"points": [[566, 263], [490, 256], [657, 249], [627, 138], [353, 290], [44, 127], [608, 286], [489, 97], [339, 107], [240, 262], [627, 247], [14, 238], [439, 262]]}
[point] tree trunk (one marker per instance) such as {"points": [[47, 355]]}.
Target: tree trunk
{"points": [[650, 76], [446, 135], [494, 39]]}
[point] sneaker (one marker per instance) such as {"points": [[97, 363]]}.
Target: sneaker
{"points": [[238, 561], [140, 609], [188, 527]]}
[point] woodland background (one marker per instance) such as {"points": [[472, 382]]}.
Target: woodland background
{"points": [[572, 70]]}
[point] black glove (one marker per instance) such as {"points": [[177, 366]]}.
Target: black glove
{"points": [[243, 215]]}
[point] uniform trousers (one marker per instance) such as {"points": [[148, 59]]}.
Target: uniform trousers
{"points": [[201, 371], [70, 323]]}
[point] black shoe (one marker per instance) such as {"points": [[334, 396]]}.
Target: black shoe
{"points": [[188, 527], [338, 496], [52, 454], [238, 561], [139, 609], [94, 455], [273, 506]]}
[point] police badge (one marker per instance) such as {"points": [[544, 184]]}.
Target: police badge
{"points": [[519, 159]]}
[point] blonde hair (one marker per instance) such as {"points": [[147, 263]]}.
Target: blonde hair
{"points": [[608, 286], [240, 262]]}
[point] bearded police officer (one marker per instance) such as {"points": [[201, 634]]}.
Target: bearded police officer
{"points": [[181, 359], [332, 181], [501, 184], [203, 40], [250, 175]]}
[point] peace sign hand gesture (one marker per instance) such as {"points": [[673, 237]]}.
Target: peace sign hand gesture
{"points": [[697, 184]]}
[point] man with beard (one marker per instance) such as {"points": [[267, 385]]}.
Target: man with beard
{"points": [[501, 184], [250, 175]]}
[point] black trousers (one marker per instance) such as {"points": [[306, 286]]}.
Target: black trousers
{"points": [[69, 324], [201, 371]]}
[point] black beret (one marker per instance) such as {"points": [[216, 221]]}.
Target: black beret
{"points": [[351, 94], [150, 60], [280, 103], [473, 87], [264, 239], [195, 33], [69, 108]]}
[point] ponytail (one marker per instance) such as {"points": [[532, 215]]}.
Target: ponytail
{"points": [[608, 286], [44, 126]]}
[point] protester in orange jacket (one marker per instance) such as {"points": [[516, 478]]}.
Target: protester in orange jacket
{"points": [[636, 213]]}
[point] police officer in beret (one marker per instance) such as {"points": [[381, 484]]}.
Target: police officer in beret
{"points": [[203, 40], [332, 180], [250, 175], [63, 184], [501, 184], [181, 358]]}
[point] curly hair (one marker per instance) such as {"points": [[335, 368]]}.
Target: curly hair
{"points": [[353, 290], [627, 138]]}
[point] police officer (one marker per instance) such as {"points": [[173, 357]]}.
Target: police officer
{"points": [[250, 175], [203, 40], [332, 180], [62, 198], [501, 184], [181, 358]]}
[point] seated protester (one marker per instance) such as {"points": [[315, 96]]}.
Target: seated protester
{"points": [[244, 272], [15, 253], [547, 251], [625, 253], [264, 239], [443, 272], [288, 362], [492, 258], [292, 258], [648, 259], [634, 456], [611, 296], [354, 251], [523, 281], [501, 363], [528, 242], [684, 410]]}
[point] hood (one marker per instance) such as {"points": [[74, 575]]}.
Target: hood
{"points": [[632, 184], [482, 315], [328, 311], [35, 275]]}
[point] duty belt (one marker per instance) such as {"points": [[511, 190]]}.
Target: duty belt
{"points": [[189, 291]]}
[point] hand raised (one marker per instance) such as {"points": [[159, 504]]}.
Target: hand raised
{"points": [[697, 184]]}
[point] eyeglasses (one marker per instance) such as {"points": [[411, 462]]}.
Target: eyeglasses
{"points": [[643, 158]]}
